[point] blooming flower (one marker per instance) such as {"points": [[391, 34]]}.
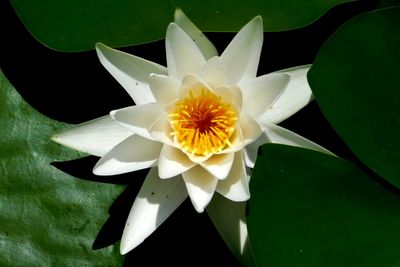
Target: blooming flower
{"points": [[197, 124]]}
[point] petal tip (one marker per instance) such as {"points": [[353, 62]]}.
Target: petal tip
{"points": [[98, 171], [99, 45], [178, 13], [123, 250], [127, 245], [64, 140], [200, 204], [112, 114], [258, 19], [101, 170], [199, 209], [172, 26], [55, 137], [163, 174], [244, 198], [256, 23]]}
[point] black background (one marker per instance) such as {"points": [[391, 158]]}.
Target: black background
{"points": [[74, 87]]}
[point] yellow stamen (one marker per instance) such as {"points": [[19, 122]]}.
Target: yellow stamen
{"points": [[203, 124]]}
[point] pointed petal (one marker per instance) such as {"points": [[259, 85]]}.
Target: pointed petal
{"points": [[214, 73], [192, 83], [229, 219], [196, 158], [95, 137], [231, 94], [280, 135], [296, 95], [132, 154], [164, 89], [200, 185], [251, 150], [236, 186], [242, 55], [275, 134], [183, 56], [206, 47], [161, 129], [260, 93], [173, 162], [219, 165], [130, 71], [156, 201], [250, 128], [138, 119]]}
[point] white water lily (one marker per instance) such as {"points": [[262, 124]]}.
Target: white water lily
{"points": [[197, 124]]}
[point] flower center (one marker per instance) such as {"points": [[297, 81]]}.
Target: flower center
{"points": [[203, 124]]}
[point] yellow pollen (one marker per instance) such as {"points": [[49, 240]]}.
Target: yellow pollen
{"points": [[203, 124]]}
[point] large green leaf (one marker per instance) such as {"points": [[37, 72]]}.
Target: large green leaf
{"points": [[388, 3], [73, 25], [47, 218], [310, 209], [355, 79]]}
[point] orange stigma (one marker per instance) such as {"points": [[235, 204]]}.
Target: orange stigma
{"points": [[203, 124]]}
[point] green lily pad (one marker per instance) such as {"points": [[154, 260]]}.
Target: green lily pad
{"points": [[355, 81], [388, 3], [47, 217], [310, 209], [74, 25]]}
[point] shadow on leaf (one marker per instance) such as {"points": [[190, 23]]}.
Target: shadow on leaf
{"points": [[82, 168], [112, 229]]}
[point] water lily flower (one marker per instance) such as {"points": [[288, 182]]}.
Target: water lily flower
{"points": [[197, 124]]}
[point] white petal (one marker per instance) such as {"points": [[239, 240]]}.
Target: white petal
{"points": [[156, 201], [130, 71], [95, 137], [161, 129], [231, 94], [250, 128], [206, 47], [242, 55], [164, 88], [219, 165], [296, 95], [280, 135], [214, 73], [236, 186], [138, 119], [183, 56], [251, 150], [173, 162], [200, 185], [132, 154], [192, 83], [260, 93], [196, 158], [229, 218]]}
